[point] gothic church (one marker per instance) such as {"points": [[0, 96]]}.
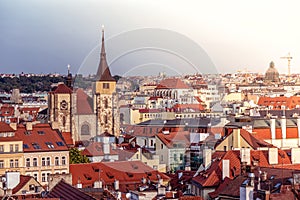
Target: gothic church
{"points": [[80, 116]]}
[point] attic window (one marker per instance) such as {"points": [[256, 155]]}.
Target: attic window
{"points": [[87, 176], [36, 145], [25, 146], [41, 132], [96, 169], [27, 132], [60, 144], [129, 174], [109, 175], [149, 173], [50, 145]]}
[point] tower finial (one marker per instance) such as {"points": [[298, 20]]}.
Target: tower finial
{"points": [[68, 68]]}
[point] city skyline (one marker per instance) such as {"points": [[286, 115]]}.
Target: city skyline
{"points": [[44, 37]]}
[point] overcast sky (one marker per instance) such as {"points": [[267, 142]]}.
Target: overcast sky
{"points": [[44, 36]]}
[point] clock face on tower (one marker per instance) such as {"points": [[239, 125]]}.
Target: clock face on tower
{"points": [[63, 105]]}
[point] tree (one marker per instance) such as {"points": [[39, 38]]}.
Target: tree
{"points": [[76, 157]]}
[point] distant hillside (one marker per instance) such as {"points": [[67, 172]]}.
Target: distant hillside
{"points": [[29, 84]]}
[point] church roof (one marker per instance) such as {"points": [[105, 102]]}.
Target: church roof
{"points": [[84, 102], [103, 73], [61, 89]]}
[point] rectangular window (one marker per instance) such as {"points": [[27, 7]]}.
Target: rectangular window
{"points": [[16, 148], [11, 163], [35, 176], [105, 85], [43, 177], [63, 160], [1, 148], [34, 162], [11, 148], [175, 157], [1, 164], [48, 161], [43, 161], [16, 163]]}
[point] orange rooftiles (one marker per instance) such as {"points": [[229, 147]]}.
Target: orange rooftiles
{"points": [[41, 138], [172, 83], [128, 173], [61, 89], [84, 103]]}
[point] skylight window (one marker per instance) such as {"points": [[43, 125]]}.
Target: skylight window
{"points": [[60, 144], [50, 145], [25, 146], [27, 132], [36, 145], [41, 132]]}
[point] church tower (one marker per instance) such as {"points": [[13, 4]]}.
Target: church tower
{"points": [[106, 97]]}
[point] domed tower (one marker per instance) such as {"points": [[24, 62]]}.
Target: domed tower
{"points": [[272, 74]]}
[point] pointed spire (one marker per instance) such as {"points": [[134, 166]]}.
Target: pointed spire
{"points": [[103, 73]]}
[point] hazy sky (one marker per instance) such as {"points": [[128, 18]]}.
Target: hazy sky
{"points": [[43, 36]]}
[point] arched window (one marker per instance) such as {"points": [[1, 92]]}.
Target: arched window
{"points": [[85, 129], [35, 162], [56, 161], [63, 160]]}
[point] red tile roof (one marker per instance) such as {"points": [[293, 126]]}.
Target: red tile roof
{"points": [[182, 107], [277, 102], [213, 175], [84, 103], [67, 136], [23, 181], [7, 111], [172, 83], [61, 89], [175, 137], [4, 128], [265, 133], [253, 141], [96, 149], [128, 173], [41, 138]]}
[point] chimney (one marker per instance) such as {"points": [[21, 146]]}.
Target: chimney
{"points": [[79, 184], [245, 155], [54, 125], [295, 155], [236, 138], [29, 126], [283, 130], [298, 127], [106, 146], [206, 157], [273, 156], [116, 184], [12, 179], [225, 169], [273, 129]]}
